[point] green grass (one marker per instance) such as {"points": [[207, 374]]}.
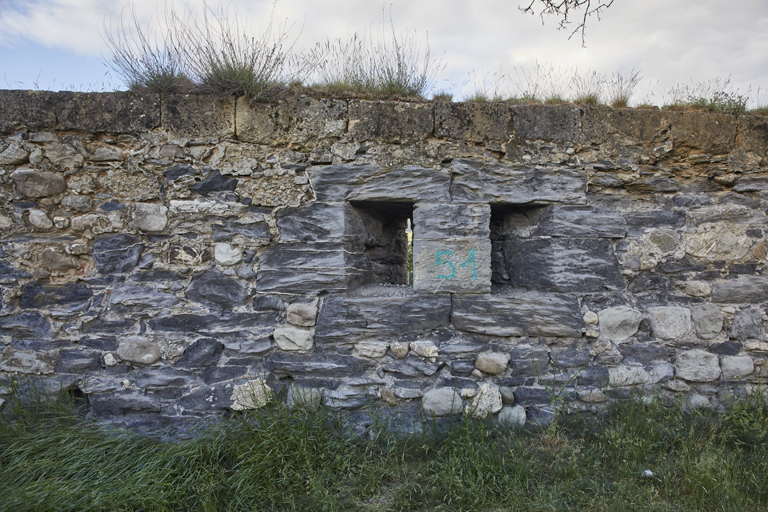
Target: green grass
{"points": [[278, 459]]}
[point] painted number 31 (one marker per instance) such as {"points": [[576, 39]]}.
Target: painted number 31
{"points": [[441, 259]]}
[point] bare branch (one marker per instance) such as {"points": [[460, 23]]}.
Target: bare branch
{"points": [[563, 9]]}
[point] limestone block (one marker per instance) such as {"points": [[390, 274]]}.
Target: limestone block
{"points": [[486, 401], [138, 350], [619, 323], [441, 402], [512, 416], [370, 349], [78, 203], [150, 217], [106, 154], [39, 220], [27, 110], [473, 121], [14, 154], [424, 348], [668, 322], [390, 121], [199, 116], [478, 181], [736, 367], [28, 362], [254, 394], [293, 339], [592, 396], [54, 260], [697, 366], [707, 320], [719, 241], [628, 376], [697, 288], [38, 183], [112, 112], [304, 398], [299, 120], [400, 349], [546, 122], [227, 255], [302, 315], [662, 372], [492, 363]]}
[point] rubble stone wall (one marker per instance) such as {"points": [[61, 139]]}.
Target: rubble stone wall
{"points": [[175, 258]]}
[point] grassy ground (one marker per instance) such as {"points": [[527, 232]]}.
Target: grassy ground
{"points": [[50, 459]]}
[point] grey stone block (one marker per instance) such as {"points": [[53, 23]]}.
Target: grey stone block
{"points": [[626, 125], [296, 121], [25, 324], [215, 182], [441, 221], [36, 295], [306, 269], [202, 353], [35, 184], [581, 222], [78, 361], [707, 320], [390, 121], [525, 314], [748, 289], [114, 112], [256, 232], [152, 378], [563, 265], [411, 367], [9, 274], [146, 296], [452, 265], [257, 324], [747, 324], [199, 116], [476, 181], [115, 254], [473, 121], [27, 110], [318, 222], [373, 183], [531, 396], [216, 289], [545, 122], [119, 403], [348, 319], [646, 354], [313, 365]]}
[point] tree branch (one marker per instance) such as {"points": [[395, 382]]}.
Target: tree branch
{"points": [[563, 10]]}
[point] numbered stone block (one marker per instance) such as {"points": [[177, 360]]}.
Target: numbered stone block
{"points": [[460, 265], [441, 221]]}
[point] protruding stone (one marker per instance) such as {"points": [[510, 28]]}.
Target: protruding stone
{"points": [[213, 287], [14, 155], [619, 323], [591, 318], [150, 217], [592, 396], [254, 394], [39, 220], [400, 349], [138, 350], [492, 363], [227, 255], [511, 416], [662, 372], [424, 348], [293, 339], [747, 324], [707, 320], [669, 323], [736, 367], [441, 402], [78, 203], [507, 395], [117, 253], [54, 260], [628, 376], [302, 315], [38, 183], [487, 401], [304, 398], [371, 349], [697, 401], [697, 366]]}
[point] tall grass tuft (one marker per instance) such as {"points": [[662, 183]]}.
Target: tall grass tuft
{"points": [[147, 58], [620, 88], [714, 95], [385, 64], [587, 89]]}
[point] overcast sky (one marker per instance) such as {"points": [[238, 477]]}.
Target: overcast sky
{"points": [[56, 44]]}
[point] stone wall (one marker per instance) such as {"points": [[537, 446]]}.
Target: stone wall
{"points": [[169, 259]]}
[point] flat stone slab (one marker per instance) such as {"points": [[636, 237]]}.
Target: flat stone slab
{"points": [[526, 314]]}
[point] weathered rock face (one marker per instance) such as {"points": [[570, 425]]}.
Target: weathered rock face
{"points": [[438, 258]]}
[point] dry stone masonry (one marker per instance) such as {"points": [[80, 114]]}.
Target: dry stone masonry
{"points": [[176, 258]]}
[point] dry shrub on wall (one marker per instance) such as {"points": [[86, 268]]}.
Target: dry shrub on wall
{"points": [[216, 54], [380, 64]]}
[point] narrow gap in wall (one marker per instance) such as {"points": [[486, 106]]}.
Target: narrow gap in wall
{"points": [[386, 234], [512, 225], [79, 400]]}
